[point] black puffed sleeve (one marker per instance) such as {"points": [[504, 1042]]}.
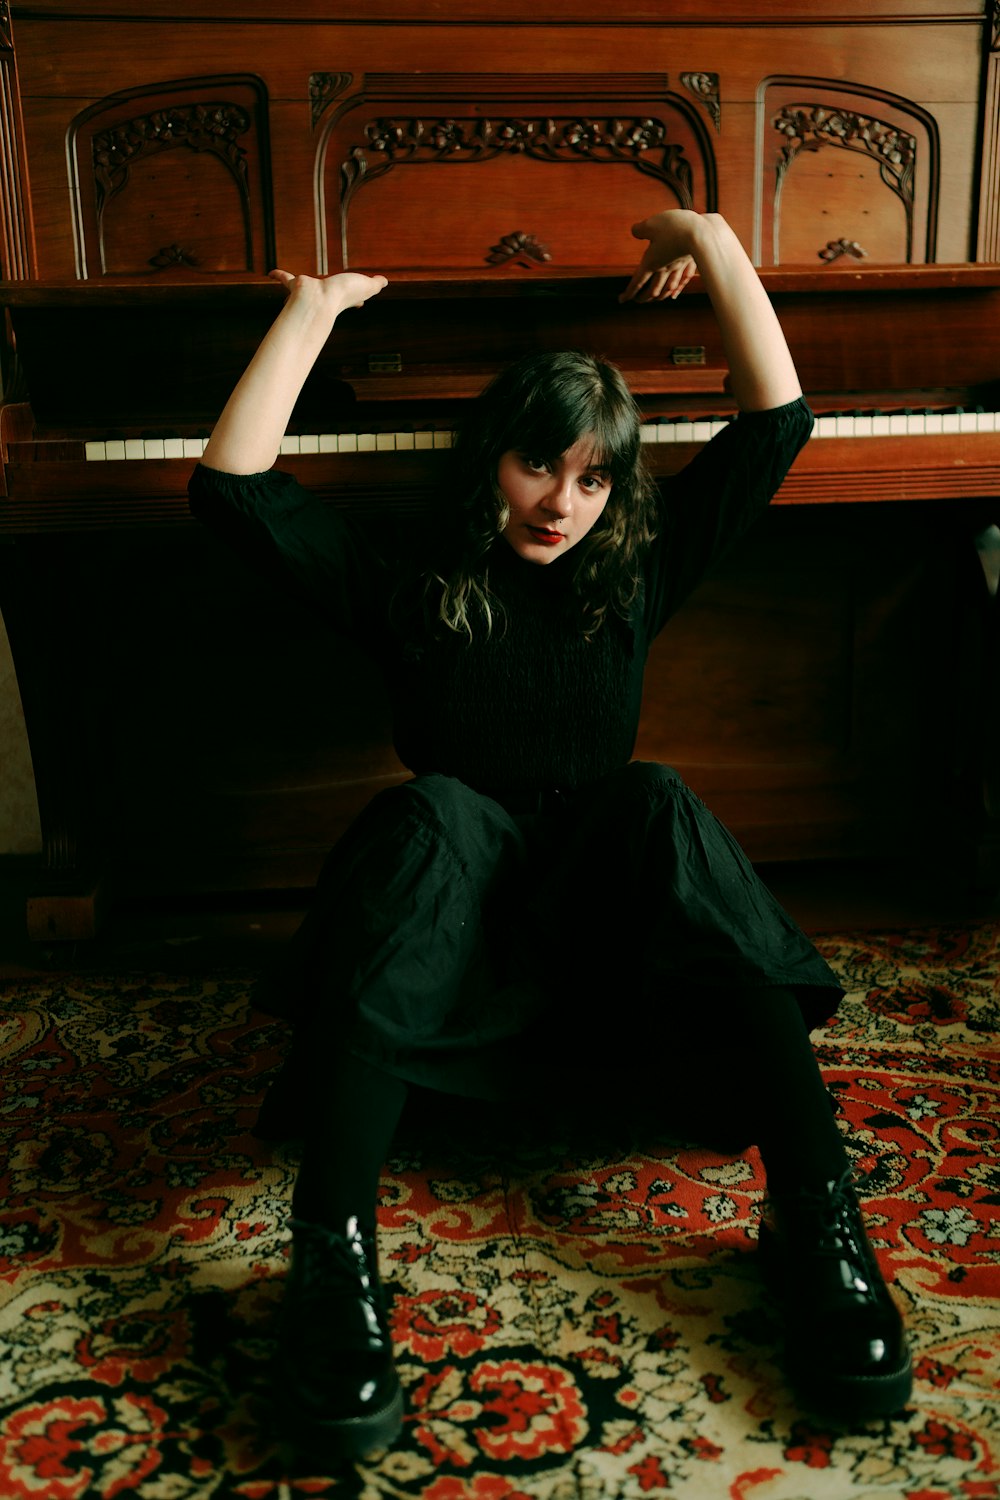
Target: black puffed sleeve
{"points": [[711, 503], [308, 547]]}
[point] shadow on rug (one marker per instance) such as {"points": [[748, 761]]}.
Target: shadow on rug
{"points": [[568, 1323]]}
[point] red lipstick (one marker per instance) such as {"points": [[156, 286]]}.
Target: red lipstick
{"points": [[546, 537]]}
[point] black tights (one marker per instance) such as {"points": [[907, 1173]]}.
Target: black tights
{"points": [[754, 1077]]}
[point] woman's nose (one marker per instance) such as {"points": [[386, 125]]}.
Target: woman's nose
{"points": [[559, 498]]}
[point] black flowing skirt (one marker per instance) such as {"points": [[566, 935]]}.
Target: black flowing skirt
{"points": [[466, 944]]}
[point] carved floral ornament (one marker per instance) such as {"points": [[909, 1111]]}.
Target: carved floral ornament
{"points": [[213, 127], [809, 127], [705, 88], [643, 142], [519, 249]]}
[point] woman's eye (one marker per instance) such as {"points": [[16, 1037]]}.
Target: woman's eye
{"points": [[536, 465], [593, 483]]}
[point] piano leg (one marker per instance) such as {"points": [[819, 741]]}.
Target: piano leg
{"points": [[46, 645]]}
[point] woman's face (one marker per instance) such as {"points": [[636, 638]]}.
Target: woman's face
{"points": [[552, 504]]}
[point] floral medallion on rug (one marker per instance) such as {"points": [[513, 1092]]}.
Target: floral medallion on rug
{"points": [[566, 1325]]}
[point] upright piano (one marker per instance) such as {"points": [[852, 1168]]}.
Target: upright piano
{"points": [[831, 689]]}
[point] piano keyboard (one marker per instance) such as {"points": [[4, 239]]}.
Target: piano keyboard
{"points": [[857, 425]]}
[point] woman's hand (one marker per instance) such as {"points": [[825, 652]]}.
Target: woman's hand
{"points": [[343, 289], [681, 243], [669, 262]]}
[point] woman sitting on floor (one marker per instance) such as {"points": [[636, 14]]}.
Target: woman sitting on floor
{"points": [[532, 903]]}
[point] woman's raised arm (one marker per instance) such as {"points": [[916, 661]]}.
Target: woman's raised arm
{"points": [[248, 434], [681, 243]]}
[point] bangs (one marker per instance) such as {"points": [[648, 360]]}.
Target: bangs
{"points": [[586, 400], [544, 404]]}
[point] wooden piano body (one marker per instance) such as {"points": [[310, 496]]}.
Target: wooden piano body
{"points": [[830, 691]]}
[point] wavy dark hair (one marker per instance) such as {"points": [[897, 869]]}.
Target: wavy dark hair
{"points": [[542, 405]]}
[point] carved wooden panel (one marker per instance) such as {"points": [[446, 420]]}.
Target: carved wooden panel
{"points": [[173, 175], [471, 171], [845, 170]]}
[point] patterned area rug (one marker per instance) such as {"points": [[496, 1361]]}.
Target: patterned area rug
{"points": [[568, 1324]]}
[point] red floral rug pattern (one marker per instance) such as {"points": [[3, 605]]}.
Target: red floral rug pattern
{"points": [[567, 1325]]}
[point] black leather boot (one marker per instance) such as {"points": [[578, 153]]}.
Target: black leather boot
{"points": [[845, 1349], [336, 1389]]}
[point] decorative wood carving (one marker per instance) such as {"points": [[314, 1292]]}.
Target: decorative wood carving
{"points": [[390, 143], [214, 127], [520, 249], [225, 224], [834, 249], [173, 255], [323, 89], [391, 121], [705, 88], [896, 135], [810, 127]]}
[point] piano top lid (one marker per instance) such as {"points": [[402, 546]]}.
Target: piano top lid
{"points": [[179, 288]]}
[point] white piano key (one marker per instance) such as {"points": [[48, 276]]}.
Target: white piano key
{"points": [[347, 442], [385, 442], [880, 424], [986, 421], [669, 432], [442, 439], [967, 421], [134, 448], [288, 444], [115, 448], [701, 432], [404, 441], [916, 424], [194, 447], [717, 426], [153, 448], [424, 439], [934, 423], [328, 442], [863, 426], [309, 442], [897, 424], [366, 442], [825, 427], [647, 432], [173, 447], [845, 425], [95, 452], [950, 421]]}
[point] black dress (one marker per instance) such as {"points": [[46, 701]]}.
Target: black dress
{"points": [[531, 894]]}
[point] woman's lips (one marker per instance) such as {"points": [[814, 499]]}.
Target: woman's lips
{"points": [[549, 538]]}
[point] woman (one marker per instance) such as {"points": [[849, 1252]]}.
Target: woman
{"points": [[478, 925]]}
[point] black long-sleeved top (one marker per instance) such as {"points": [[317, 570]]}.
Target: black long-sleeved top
{"points": [[534, 705]]}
